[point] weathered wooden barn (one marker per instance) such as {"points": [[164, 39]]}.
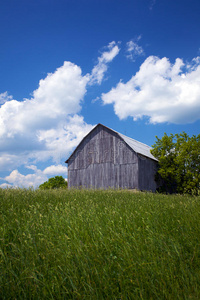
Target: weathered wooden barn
{"points": [[106, 158]]}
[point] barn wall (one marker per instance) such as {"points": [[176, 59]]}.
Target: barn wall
{"points": [[103, 160], [106, 175], [147, 170]]}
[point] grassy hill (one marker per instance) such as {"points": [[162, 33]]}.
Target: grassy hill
{"points": [[62, 244]]}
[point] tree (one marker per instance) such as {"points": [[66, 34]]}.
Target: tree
{"points": [[54, 183], [179, 163]]}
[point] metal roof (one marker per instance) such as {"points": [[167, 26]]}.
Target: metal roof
{"points": [[136, 146]]}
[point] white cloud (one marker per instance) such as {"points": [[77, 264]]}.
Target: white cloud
{"points": [[54, 143], [61, 91], [56, 170], [133, 49], [159, 90], [10, 161], [5, 97], [96, 99], [106, 57], [61, 140], [57, 96], [48, 125], [16, 179]]}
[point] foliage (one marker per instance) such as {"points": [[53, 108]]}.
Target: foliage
{"points": [[54, 183], [179, 163], [58, 244]]}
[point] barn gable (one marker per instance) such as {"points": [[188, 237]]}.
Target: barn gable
{"points": [[106, 158]]}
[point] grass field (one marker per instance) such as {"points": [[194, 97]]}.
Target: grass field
{"points": [[63, 244]]}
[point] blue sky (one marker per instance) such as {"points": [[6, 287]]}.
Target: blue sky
{"points": [[66, 65]]}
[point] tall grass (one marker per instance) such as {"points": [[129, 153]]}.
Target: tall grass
{"points": [[98, 245]]}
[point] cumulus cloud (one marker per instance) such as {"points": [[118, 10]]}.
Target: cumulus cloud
{"points": [[58, 95], [16, 179], [162, 91], [48, 125], [41, 127], [133, 49], [107, 56], [55, 170], [62, 139]]}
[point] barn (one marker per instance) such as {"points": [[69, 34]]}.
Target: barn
{"points": [[108, 159]]}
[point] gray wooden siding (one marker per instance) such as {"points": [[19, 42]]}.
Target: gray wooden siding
{"points": [[105, 176], [103, 160], [147, 169]]}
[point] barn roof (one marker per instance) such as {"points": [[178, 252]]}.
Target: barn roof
{"points": [[136, 146]]}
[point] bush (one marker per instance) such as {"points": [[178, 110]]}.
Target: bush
{"points": [[54, 183], [179, 163]]}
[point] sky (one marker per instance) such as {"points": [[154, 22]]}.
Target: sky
{"points": [[67, 65]]}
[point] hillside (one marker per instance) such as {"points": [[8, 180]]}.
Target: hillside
{"points": [[63, 244]]}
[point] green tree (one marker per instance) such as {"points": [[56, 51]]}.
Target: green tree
{"points": [[54, 183], [179, 163]]}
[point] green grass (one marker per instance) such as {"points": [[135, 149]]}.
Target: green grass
{"points": [[98, 245]]}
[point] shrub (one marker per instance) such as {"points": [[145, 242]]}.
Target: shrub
{"points": [[54, 183]]}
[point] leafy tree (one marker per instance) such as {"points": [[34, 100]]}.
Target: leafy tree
{"points": [[54, 183], [179, 163]]}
